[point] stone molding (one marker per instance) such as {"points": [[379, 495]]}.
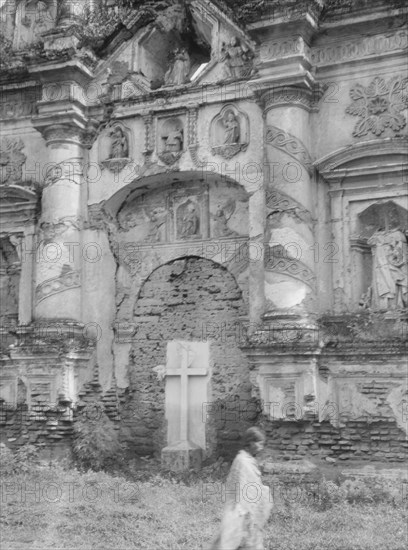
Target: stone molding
{"points": [[289, 144], [379, 106], [360, 48], [66, 281], [280, 49], [193, 145], [334, 165]]}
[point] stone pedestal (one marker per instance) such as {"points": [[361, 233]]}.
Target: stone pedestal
{"points": [[182, 456]]}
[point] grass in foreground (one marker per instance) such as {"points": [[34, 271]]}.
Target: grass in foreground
{"points": [[53, 508]]}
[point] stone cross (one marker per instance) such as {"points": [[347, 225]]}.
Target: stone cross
{"points": [[188, 351], [186, 393]]}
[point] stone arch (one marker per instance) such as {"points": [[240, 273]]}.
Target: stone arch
{"points": [[152, 227], [196, 299]]}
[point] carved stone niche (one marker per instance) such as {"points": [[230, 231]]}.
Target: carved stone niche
{"points": [[189, 210], [229, 132], [380, 257], [288, 391], [171, 139], [10, 272], [115, 145]]}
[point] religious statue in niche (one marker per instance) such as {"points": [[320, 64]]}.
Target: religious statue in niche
{"points": [[237, 60], [118, 149], [178, 72], [33, 18], [389, 289], [221, 218], [188, 221], [229, 132], [172, 141], [120, 145]]}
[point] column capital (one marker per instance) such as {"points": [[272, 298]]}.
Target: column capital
{"points": [[298, 96], [68, 132]]}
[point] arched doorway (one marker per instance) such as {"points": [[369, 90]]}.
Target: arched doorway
{"points": [[192, 299]]}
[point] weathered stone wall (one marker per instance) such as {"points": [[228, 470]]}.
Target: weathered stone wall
{"points": [[185, 300], [381, 441]]}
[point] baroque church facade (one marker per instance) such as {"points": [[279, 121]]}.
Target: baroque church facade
{"points": [[204, 227]]}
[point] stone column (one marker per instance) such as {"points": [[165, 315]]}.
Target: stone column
{"points": [[60, 251], [290, 249], [73, 12]]}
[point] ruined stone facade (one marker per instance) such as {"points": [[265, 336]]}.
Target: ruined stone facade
{"points": [[189, 179]]}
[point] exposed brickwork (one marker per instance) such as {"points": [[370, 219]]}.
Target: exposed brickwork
{"points": [[186, 300], [356, 440]]}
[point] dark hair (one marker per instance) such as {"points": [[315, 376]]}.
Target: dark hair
{"points": [[253, 434]]}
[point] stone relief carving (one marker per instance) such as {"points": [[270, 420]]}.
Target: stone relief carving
{"points": [[280, 202], [188, 220], [172, 141], [179, 70], [17, 104], [49, 231], [276, 260], [229, 132], [362, 47], [221, 219], [68, 279], [237, 60], [11, 161], [290, 144], [118, 149], [389, 288], [379, 106]]}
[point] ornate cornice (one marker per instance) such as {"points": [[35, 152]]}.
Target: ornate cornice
{"points": [[289, 144], [360, 48]]}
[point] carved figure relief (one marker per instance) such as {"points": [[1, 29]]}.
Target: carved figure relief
{"points": [[389, 288], [172, 141], [118, 147], [157, 221], [379, 106], [229, 132], [11, 161], [33, 18], [237, 60], [188, 220], [221, 219], [179, 70]]}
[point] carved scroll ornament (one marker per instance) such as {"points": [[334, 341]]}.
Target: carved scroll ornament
{"points": [[290, 144]]}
